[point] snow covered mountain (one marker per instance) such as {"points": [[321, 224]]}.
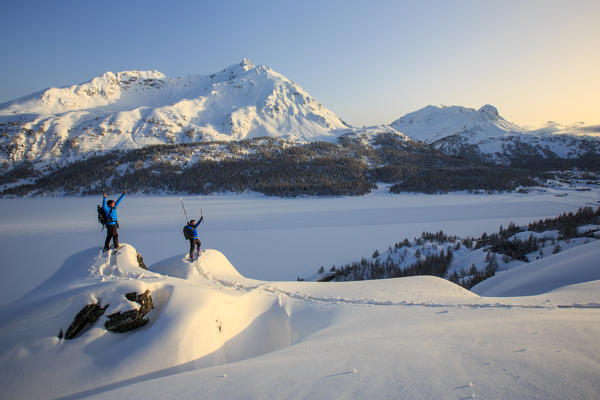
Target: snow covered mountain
{"points": [[432, 123], [486, 135], [132, 109]]}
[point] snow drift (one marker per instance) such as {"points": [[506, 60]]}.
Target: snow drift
{"points": [[214, 333]]}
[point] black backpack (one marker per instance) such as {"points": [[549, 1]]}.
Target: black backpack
{"points": [[102, 217], [187, 232]]}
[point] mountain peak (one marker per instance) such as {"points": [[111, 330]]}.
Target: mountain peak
{"points": [[432, 123], [246, 64], [490, 110]]}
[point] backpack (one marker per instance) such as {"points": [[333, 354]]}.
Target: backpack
{"points": [[102, 217], [187, 232]]}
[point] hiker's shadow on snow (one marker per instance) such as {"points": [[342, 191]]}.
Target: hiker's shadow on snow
{"points": [[271, 331]]}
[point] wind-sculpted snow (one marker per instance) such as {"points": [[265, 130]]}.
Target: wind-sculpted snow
{"points": [[214, 333]]}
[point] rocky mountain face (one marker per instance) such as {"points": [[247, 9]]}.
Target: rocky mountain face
{"points": [[133, 109]]}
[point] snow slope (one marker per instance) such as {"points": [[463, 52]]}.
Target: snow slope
{"points": [[572, 266], [131, 109], [215, 334]]}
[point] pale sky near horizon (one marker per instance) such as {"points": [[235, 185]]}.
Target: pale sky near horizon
{"points": [[369, 62]]}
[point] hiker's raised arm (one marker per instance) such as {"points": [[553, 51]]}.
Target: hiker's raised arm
{"points": [[119, 199]]}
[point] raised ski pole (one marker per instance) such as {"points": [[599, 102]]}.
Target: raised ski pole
{"points": [[187, 220]]}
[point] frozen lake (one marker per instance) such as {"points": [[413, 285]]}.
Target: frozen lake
{"points": [[264, 238]]}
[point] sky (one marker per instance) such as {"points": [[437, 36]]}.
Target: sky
{"points": [[370, 62]]}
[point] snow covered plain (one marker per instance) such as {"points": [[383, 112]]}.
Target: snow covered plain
{"points": [[265, 238]]}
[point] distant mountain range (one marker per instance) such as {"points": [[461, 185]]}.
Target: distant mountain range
{"points": [[134, 109], [484, 134]]}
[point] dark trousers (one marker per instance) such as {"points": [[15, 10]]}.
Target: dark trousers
{"points": [[111, 233], [194, 243]]}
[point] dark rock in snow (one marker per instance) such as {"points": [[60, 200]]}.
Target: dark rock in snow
{"points": [[141, 261], [88, 315], [128, 320], [326, 277]]}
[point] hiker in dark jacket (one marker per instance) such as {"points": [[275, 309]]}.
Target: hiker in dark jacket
{"points": [[193, 237], [110, 209]]}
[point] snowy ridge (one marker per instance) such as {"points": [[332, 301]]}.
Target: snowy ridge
{"points": [[104, 90], [131, 109], [215, 333]]}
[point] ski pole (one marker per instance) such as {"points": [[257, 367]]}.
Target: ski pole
{"points": [[187, 220]]}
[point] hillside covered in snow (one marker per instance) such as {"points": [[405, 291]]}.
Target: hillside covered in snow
{"points": [[467, 261], [207, 331]]}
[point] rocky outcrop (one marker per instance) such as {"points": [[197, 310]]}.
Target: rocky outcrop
{"points": [[128, 320], [88, 315], [118, 322], [140, 261]]}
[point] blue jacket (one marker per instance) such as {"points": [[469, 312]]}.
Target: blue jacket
{"points": [[111, 213], [192, 228]]}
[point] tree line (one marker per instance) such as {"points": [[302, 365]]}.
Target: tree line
{"points": [[434, 251], [272, 166]]}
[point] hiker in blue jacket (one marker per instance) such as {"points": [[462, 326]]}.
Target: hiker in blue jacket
{"points": [[110, 209], [192, 236]]}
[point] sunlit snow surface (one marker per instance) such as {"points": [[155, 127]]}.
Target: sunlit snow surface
{"points": [[235, 323], [216, 334]]}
